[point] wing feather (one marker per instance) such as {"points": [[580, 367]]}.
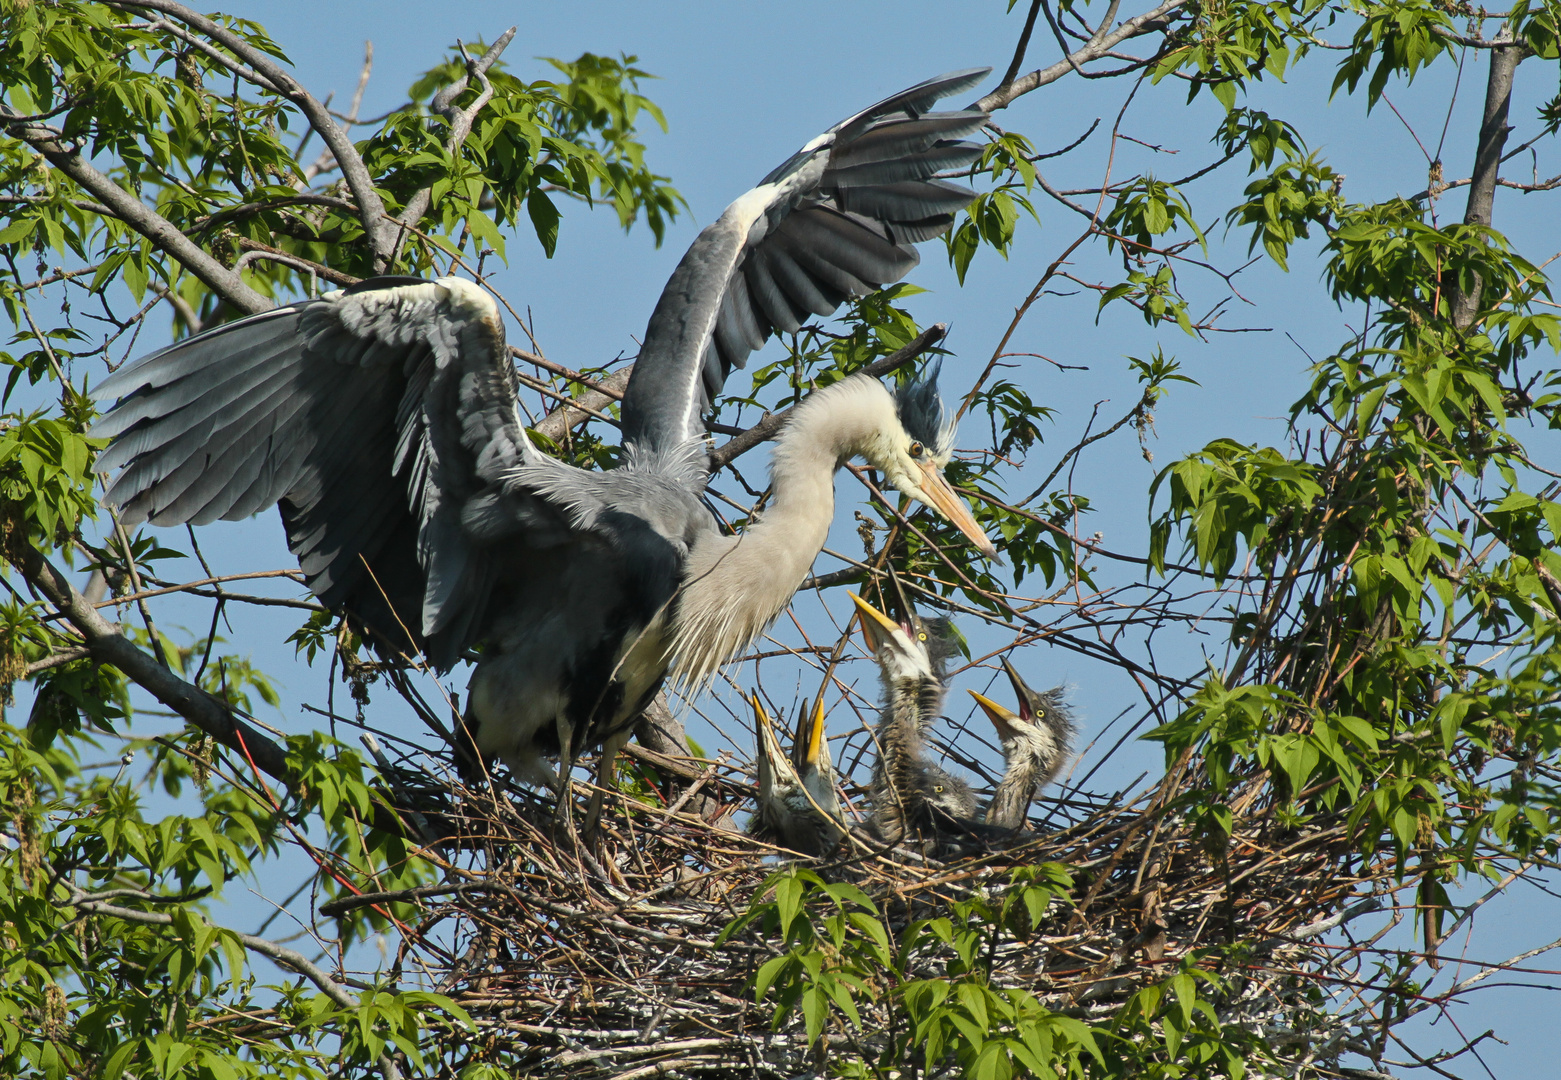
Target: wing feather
{"points": [[834, 221], [369, 414]]}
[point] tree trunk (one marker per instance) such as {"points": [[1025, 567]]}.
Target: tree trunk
{"points": [[1505, 58]]}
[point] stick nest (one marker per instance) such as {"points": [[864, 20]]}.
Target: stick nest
{"points": [[599, 956]]}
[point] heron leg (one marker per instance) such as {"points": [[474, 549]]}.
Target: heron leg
{"points": [[564, 810], [604, 776]]}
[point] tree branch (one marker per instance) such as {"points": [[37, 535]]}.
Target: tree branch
{"points": [[1097, 47], [377, 225], [108, 645], [1024, 44], [140, 217], [460, 120], [1494, 129], [556, 424]]}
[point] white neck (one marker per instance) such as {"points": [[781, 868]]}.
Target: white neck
{"points": [[736, 586]]}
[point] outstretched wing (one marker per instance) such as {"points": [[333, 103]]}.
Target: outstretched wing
{"points": [[373, 416], [837, 220]]}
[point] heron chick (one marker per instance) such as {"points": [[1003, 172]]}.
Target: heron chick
{"points": [[798, 807], [1037, 741], [909, 793]]}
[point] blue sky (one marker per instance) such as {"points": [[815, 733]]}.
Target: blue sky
{"points": [[743, 85]]}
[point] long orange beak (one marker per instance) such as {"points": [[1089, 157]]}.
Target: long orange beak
{"points": [[942, 498]]}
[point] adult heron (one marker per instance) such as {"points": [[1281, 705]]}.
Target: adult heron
{"points": [[383, 419], [798, 807], [1037, 741], [909, 794]]}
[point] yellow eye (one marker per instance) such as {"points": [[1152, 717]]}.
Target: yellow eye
{"points": [[921, 637], [916, 449], [938, 788]]}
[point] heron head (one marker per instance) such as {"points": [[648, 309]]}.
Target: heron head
{"points": [[1036, 710], [811, 755], [902, 650], [916, 455], [945, 793]]}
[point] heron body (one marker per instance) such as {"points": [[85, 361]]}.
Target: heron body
{"points": [[384, 421], [1037, 741]]}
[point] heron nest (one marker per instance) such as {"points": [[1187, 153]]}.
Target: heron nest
{"points": [[602, 956]]}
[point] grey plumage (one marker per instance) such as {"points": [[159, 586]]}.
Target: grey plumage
{"points": [[383, 421]]}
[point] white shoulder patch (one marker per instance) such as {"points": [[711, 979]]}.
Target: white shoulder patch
{"points": [[820, 140], [468, 296], [747, 211]]}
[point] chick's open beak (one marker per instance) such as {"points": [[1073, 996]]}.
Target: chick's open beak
{"points": [[877, 627], [769, 749], [942, 498], [1025, 695], [1004, 720]]}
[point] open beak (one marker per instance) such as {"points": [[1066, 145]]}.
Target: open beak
{"points": [[1022, 692], [942, 498], [1007, 722], [877, 627]]}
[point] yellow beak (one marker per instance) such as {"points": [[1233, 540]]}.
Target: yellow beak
{"points": [[769, 748], [1004, 720], [942, 498], [877, 627], [815, 742]]}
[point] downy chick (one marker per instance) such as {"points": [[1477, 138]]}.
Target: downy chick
{"points": [[798, 808], [1037, 741], [909, 793]]}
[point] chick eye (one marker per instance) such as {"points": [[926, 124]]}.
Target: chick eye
{"points": [[938, 788], [916, 449], [921, 637]]}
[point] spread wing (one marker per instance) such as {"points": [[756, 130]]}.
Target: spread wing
{"points": [[837, 220], [374, 416]]}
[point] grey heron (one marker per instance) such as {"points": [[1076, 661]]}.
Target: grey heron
{"points": [[798, 806], [910, 794], [1037, 741], [383, 420]]}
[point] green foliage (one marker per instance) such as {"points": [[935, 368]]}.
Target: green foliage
{"points": [[45, 478], [837, 956]]}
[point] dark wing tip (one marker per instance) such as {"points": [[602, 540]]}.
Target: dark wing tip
{"points": [[927, 93]]}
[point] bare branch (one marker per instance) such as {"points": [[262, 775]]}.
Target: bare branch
{"points": [[564, 418], [1098, 46]]}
